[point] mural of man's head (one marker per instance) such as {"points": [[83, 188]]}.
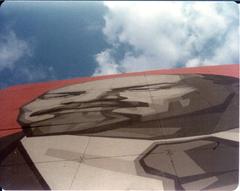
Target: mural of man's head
{"points": [[147, 107]]}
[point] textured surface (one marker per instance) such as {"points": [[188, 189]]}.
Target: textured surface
{"points": [[170, 105], [150, 130]]}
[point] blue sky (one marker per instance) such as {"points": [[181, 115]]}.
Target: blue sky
{"points": [[42, 41]]}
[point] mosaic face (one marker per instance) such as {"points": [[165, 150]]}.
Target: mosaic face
{"points": [[148, 107], [99, 127]]}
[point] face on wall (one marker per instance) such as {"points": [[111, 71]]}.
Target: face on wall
{"points": [[148, 107]]}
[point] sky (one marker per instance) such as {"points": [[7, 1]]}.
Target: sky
{"points": [[43, 41]]}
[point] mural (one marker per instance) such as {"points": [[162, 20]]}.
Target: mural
{"points": [[159, 132], [209, 156], [135, 107]]}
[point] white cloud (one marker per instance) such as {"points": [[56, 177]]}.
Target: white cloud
{"points": [[11, 50], [194, 62], [169, 34], [106, 64]]}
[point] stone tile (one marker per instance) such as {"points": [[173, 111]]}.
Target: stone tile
{"points": [[181, 146], [69, 123], [137, 96], [172, 128], [216, 159], [229, 118], [184, 165], [7, 141], [133, 129], [59, 174], [170, 102], [200, 184], [15, 156], [234, 186], [154, 79], [106, 175], [18, 172], [8, 149], [216, 96], [232, 134], [114, 164], [224, 181], [176, 99], [86, 86], [160, 162], [21, 177], [108, 147], [202, 124], [129, 81], [196, 157], [55, 148]]}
